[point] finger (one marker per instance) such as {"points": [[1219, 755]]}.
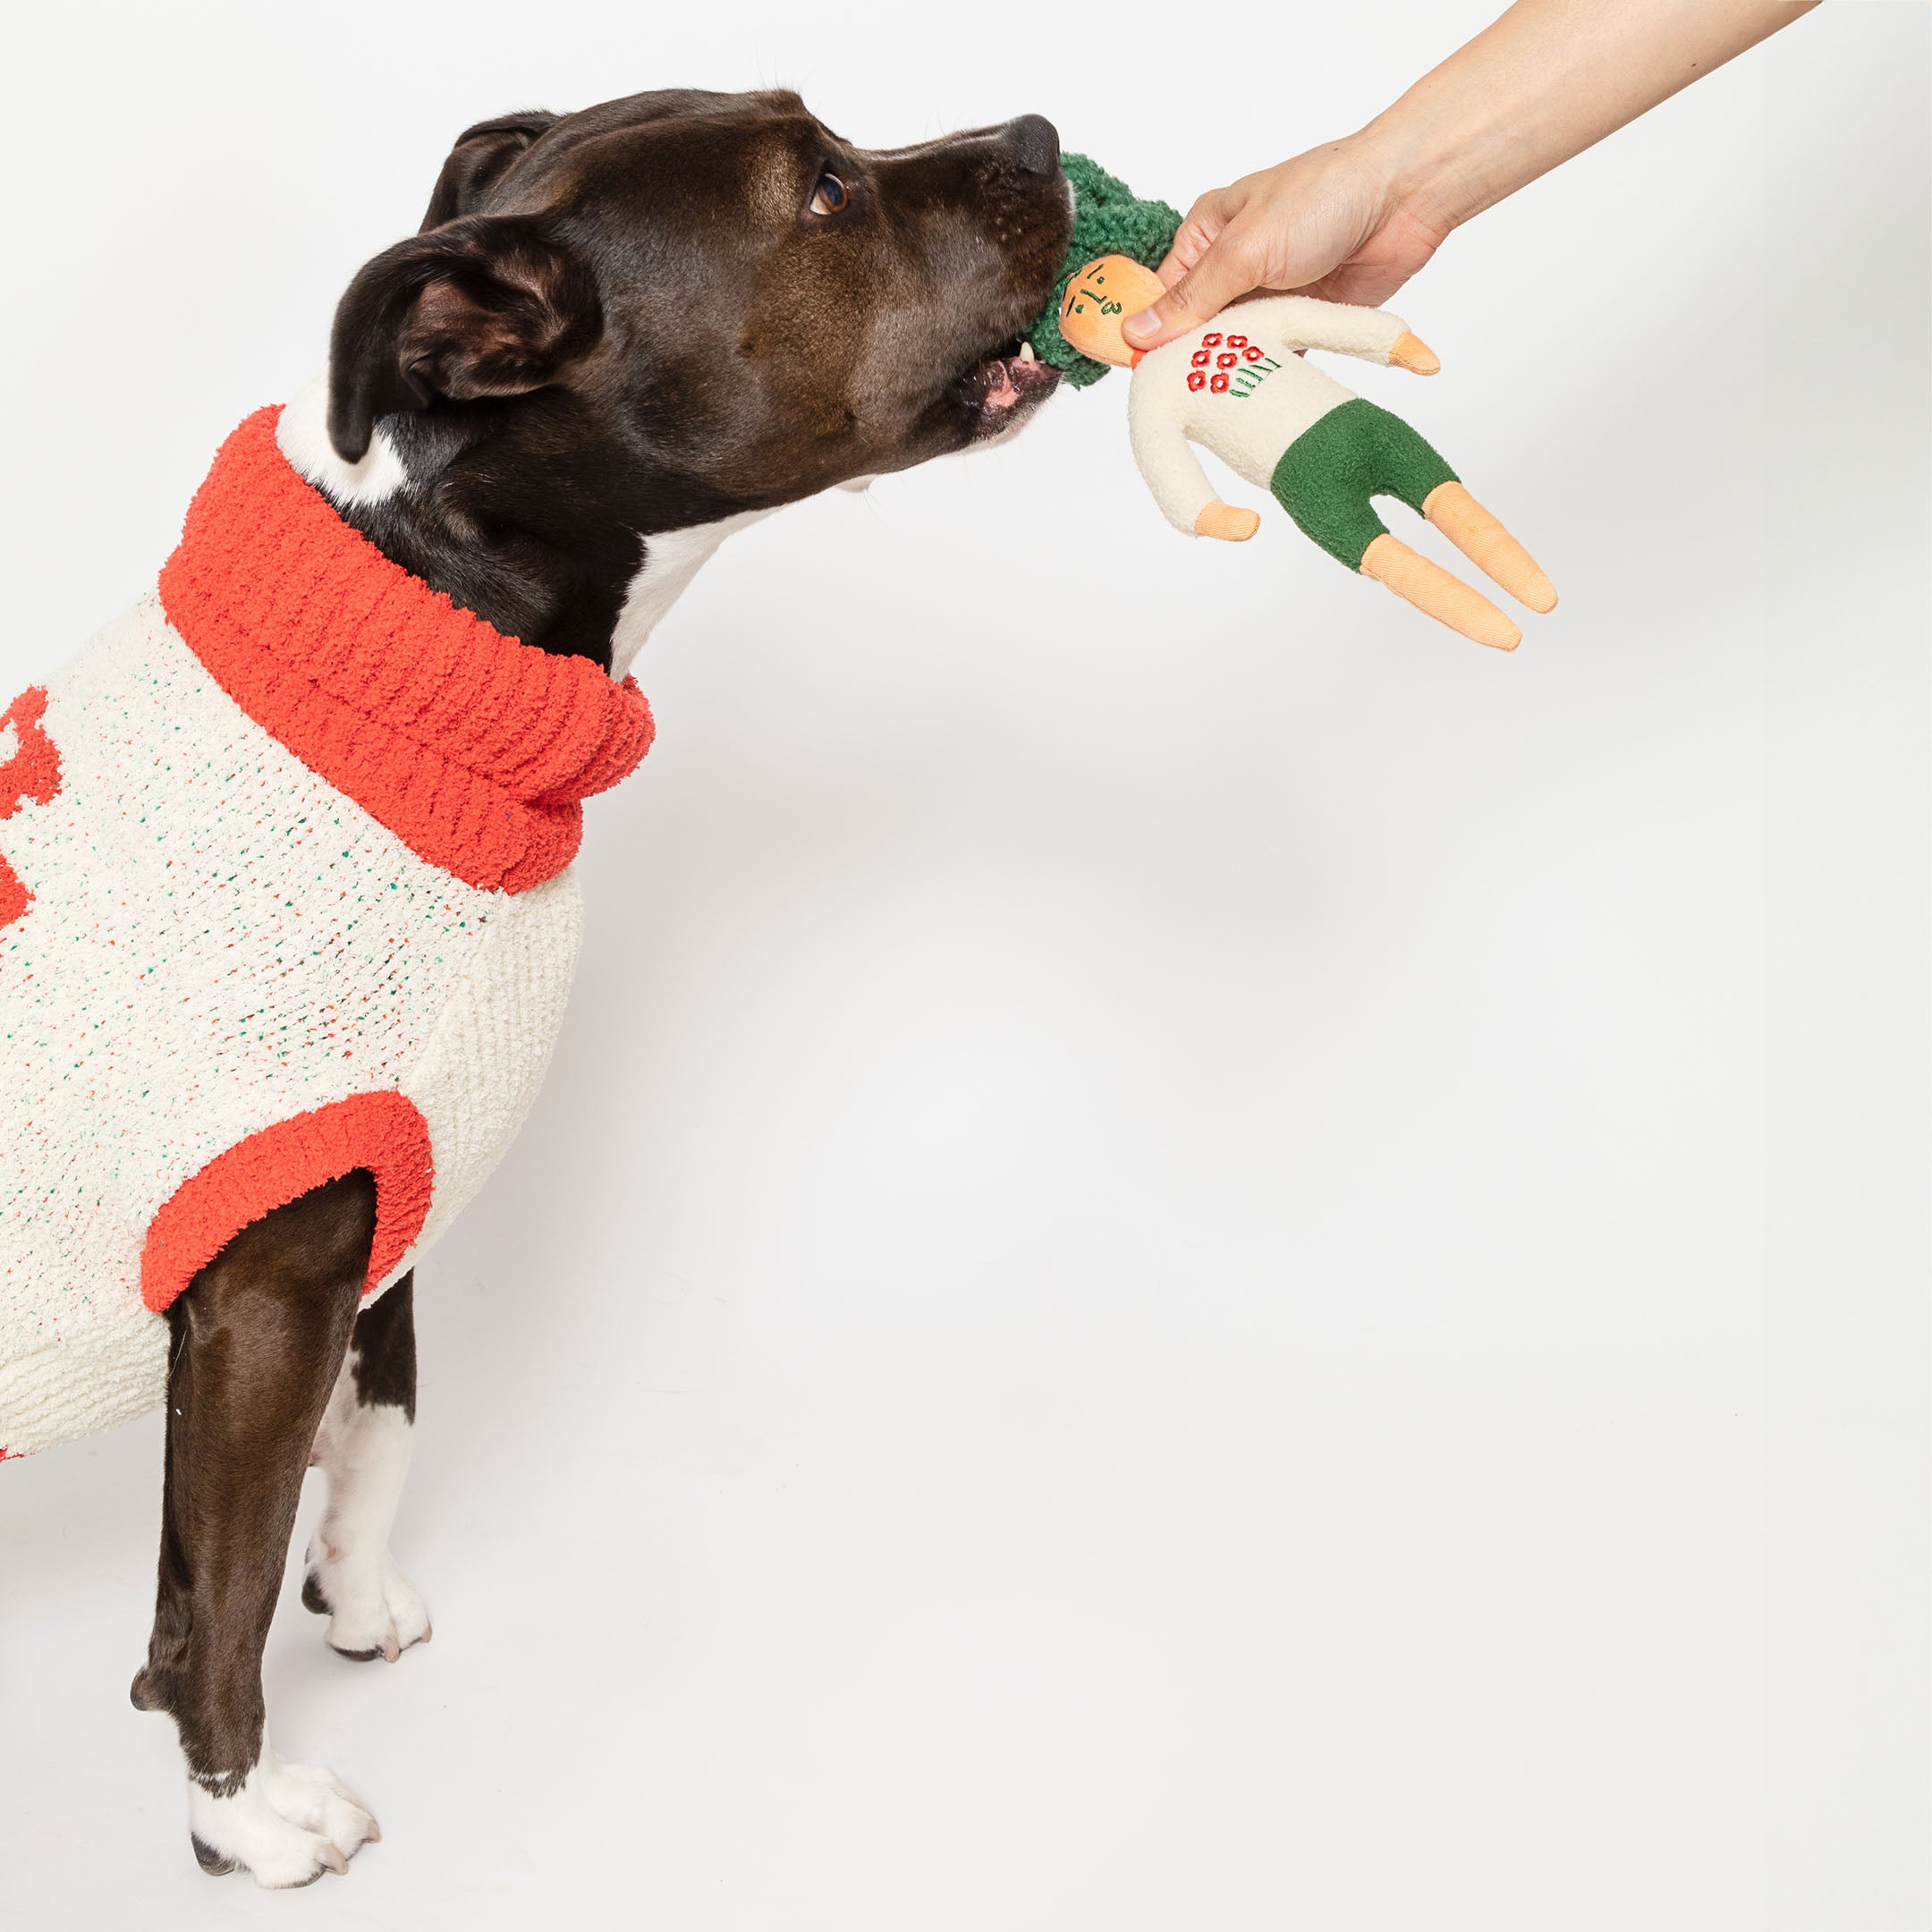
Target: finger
{"points": [[1221, 274], [1199, 232], [1187, 248]]}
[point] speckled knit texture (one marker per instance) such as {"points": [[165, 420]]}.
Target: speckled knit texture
{"points": [[1108, 219], [227, 971]]}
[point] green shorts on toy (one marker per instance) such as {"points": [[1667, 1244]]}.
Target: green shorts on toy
{"points": [[1239, 386]]}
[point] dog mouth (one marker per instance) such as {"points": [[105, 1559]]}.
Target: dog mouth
{"points": [[1002, 391]]}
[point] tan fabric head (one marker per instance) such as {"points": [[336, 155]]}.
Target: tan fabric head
{"points": [[1099, 299]]}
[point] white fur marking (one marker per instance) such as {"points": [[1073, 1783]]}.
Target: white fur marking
{"points": [[365, 1455], [672, 558], [302, 436], [287, 1824]]}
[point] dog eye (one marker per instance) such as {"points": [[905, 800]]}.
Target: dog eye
{"points": [[830, 195]]}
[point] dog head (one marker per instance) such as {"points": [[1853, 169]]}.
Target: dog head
{"points": [[733, 305]]}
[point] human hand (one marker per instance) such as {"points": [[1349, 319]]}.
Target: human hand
{"points": [[1224, 521], [1352, 220], [1330, 222]]}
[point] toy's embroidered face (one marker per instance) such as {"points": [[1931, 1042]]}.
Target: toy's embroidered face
{"points": [[1099, 299]]}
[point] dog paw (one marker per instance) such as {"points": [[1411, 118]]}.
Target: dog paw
{"points": [[373, 1608], [287, 1825]]}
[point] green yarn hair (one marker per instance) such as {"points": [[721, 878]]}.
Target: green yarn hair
{"points": [[1108, 219]]}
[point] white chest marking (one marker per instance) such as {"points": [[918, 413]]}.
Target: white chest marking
{"points": [[672, 558]]}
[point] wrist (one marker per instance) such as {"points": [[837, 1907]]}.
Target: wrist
{"points": [[1425, 171]]}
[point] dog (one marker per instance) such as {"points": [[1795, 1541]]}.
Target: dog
{"points": [[340, 753]]}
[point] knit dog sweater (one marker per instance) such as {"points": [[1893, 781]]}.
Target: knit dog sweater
{"points": [[283, 894]]}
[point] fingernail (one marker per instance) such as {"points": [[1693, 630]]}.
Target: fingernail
{"points": [[1138, 327]]}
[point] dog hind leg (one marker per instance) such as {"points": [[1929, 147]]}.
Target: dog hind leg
{"points": [[363, 1447], [257, 1339]]}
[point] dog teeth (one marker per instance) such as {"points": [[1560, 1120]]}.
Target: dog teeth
{"points": [[1026, 352]]}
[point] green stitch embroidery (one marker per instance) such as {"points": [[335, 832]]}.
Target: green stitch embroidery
{"points": [[1248, 376]]}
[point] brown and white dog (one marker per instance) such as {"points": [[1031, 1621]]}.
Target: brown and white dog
{"points": [[619, 335]]}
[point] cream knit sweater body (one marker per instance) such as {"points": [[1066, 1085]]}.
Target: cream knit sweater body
{"points": [[1237, 386], [217, 946]]}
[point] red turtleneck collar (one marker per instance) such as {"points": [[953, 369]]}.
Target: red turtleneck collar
{"points": [[473, 748]]}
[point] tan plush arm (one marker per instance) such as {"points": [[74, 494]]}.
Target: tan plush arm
{"points": [[1225, 521], [1415, 355]]}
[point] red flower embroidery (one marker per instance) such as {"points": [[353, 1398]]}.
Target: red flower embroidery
{"points": [[1218, 383], [1237, 341], [1212, 341], [1196, 379], [1201, 358], [1251, 354], [1225, 362]]}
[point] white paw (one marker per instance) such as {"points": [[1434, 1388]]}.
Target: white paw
{"points": [[287, 1825], [372, 1607]]}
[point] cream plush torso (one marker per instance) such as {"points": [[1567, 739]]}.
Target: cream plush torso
{"points": [[217, 939], [1238, 387]]}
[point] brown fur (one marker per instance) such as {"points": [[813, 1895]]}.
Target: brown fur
{"points": [[614, 323], [256, 1345]]}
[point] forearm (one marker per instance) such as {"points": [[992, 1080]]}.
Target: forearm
{"points": [[1549, 79]]}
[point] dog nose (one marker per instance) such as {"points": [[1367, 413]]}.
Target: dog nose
{"points": [[1035, 144]]}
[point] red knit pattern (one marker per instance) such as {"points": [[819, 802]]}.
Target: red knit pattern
{"points": [[381, 1132], [32, 776], [475, 749]]}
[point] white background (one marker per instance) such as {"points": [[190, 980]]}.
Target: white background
{"points": [[1197, 1257]]}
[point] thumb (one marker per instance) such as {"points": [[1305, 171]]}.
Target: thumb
{"points": [[1220, 276]]}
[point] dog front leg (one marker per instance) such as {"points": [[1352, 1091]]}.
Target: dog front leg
{"points": [[257, 1339], [364, 1449]]}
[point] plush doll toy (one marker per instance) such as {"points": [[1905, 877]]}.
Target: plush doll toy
{"points": [[1239, 386]]}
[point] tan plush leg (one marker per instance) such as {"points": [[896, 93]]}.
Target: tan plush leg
{"points": [[1433, 590], [1490, 547]]}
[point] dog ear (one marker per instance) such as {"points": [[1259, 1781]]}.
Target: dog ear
{"points": [[479, 160], [488, 305]]}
